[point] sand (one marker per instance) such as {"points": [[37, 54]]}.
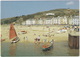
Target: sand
{"points": [[33, 32]]}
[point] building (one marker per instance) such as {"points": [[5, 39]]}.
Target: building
{"points": [[52, 21], [75, 20], [40, 21], [48, 21], [50, 14], [64, 20], [29, 22]]}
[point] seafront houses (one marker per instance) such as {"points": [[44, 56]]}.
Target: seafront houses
{"points": [[75, 20], [64, 20], [29, 22], [40, 21], [52, 21], [48, 21], [70, 20], [59, 20]]}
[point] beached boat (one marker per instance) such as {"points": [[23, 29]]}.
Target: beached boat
{"points": [[47, 46], [13, 34], [24, 32]]}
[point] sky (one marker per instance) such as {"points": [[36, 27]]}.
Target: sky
{"points": [[19, 8]]}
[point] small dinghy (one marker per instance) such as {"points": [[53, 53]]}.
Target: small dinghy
{"points": [[15, 40], [47, 46], [24, 32]]}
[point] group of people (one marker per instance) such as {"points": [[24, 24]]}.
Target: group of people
{"points": [[37, 40], [26, 38], [75, 28]]}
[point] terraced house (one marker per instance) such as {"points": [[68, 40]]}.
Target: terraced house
{"points": [[53, 21]]}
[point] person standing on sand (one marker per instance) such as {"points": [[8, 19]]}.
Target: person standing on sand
{"points": [[26, 38], [35, 41], [38, 38]]}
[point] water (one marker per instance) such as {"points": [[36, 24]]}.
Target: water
{"points": [[31, 49]]}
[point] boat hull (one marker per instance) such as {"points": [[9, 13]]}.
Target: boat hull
{"points": [[15, 41], [48, 48]]}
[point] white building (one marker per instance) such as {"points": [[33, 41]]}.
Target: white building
{"points": [[33, 22], [65, 20], [75, 20], [60, 20], [40, 21], [50, 14], [29, 22], [55, 20], [48, 21]]}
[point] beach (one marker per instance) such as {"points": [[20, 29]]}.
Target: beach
{"points": [[33, 32], [26, 45]]}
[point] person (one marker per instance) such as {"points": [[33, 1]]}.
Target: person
{"points": [[35, 40], [52, 41], [34, 34], [76, 29], [26, 38], [18, 33], [38, 38]]}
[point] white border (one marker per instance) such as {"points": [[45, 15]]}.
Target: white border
{"points": [[41, 0]]}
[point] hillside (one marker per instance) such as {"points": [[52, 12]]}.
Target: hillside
{"points": [[56, 12]]}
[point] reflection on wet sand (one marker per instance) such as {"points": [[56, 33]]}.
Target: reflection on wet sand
{"points": [[12, 51]]}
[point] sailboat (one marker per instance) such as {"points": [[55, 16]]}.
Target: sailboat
{"points": [[13, 34]]}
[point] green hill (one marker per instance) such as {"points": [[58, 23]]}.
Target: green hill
{"points": [[57, 12]]}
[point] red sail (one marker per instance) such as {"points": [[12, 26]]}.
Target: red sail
{"points": [[12, 33]]}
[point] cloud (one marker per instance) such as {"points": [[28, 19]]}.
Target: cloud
{"points": [[70, 3]]}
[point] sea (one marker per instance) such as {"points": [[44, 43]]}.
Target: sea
{"points": [[26, 48]]}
